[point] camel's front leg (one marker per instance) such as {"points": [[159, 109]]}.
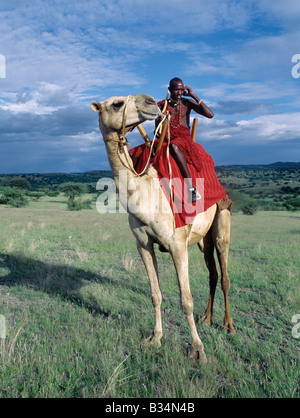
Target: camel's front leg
{"points": [[180, 258], [149, 259]]}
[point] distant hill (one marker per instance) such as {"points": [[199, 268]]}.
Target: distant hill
{"points": [[52, 180], [280, 164]]}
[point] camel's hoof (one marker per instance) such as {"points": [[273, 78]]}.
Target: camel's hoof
{"points": [[152, 341], [229, 327], [206, 320], [197, 354]]}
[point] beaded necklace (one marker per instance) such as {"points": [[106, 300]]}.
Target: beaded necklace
{"points": [[179, 117]]}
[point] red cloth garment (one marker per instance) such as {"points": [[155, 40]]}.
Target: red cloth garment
{"points": [[201, 167]]}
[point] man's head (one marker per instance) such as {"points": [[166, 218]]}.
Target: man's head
{"points": [[176, 88], [174, 81]]}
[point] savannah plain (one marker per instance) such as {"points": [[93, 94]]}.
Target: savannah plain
{"points": [[77, 306]]}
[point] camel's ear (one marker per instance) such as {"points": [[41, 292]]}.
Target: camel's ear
{"points": [[96, 106]]}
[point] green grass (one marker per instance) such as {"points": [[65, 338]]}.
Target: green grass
{"points": [[77, 305]]}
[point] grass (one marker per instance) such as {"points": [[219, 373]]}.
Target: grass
{"points": [[77, 305]]}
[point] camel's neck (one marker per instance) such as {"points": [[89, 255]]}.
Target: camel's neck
{"points": [[119, 160], [140, 195]]}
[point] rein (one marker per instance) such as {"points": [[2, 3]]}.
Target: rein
{"points": [[123, 144]]}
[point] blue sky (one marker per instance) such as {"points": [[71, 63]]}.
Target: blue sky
{"points": [[60, 55]]}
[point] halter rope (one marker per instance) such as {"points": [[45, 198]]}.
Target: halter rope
{"points": [[123, 143]]}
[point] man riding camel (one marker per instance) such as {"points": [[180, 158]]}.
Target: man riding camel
{"points": [[181, 145], [190, 158]]}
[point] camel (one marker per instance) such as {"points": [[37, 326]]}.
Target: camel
{"points": [[210, 229]]}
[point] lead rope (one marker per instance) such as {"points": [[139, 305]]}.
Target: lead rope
{"points": [[170, 172], [124, 143], [123, 139]]}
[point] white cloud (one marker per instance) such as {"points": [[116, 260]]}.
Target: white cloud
{"points": [[261, 129], [244, 91], [274, 127]]}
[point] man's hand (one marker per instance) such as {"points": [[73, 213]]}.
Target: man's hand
{"points": [[188, 91]]}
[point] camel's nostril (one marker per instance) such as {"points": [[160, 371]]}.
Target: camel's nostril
{"points": [[150, 100]]}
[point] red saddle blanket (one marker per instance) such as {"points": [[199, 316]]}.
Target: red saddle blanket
{"points": [[201, 166]]}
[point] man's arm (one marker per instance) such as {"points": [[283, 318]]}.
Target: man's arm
{"points": [[198, 105]]}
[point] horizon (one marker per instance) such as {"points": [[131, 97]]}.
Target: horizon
{"points": [[275, 163], [242, 58]]}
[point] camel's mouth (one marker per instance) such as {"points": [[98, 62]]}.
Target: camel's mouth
{"points": [[131, 127], [146, 116], [149, 115]]}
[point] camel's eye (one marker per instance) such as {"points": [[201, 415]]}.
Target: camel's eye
{"points": [[118, 104]]}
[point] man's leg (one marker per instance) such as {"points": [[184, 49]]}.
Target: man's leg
{"points": [[183, 167]]}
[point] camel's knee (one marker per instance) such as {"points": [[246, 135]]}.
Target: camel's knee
{"points": [[225, 284], [187, 304], [221, 231], [156, 299], [222, 244]]}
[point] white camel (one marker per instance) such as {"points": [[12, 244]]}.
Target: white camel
{"points": [[210, 229]]}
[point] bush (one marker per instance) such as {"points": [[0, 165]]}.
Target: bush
{"points": [[78, 204], [36, 195], [17, 182], [292, 204], [71, 190], [13, 197], [52, 193], [249, 208], [74, 204], [266, 205]]}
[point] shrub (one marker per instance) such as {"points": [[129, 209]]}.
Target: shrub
{"points": [[249, 208], [13, 197], [53, 193], [36, 195], [74, 204], [78, 204], [17, 182], [292, 204], [71, 190]]}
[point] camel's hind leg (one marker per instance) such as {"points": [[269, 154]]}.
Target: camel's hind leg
{"points": [[208, 250], [148, 256], [221, 239]]}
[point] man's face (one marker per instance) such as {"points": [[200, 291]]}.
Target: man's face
{"points": [[177, 90]]}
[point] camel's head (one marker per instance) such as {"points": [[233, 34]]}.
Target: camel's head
{"points": [[117, 113]]}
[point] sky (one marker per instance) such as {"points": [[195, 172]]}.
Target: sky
{"points": [[241, 57]]}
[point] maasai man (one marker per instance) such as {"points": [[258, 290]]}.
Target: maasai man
{"points": [[181, 146], [192, 160]]}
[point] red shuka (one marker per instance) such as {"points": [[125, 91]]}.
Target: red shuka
{"points": [[200, 164]]}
